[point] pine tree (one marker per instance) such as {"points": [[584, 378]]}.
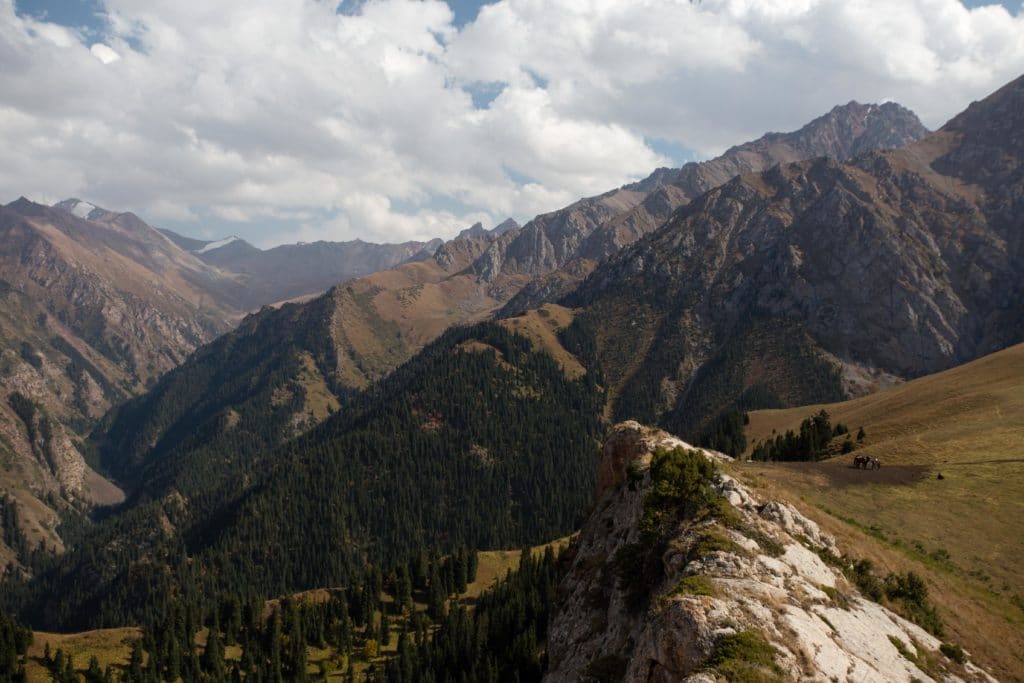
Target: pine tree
{"points": [[94, 674], [212, 661], [460, 570], [384, 633], [403, 596], [474, 563], [134, 662], [296, 654], [272, 645]]}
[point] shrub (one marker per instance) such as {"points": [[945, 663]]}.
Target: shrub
{"points": [[769, 546], [954, 652], [902, 649], [908, 591], [911, 592], [695, 585], [681, 486], [837, 598], [637, 569], [745, 657], [634, 475], [712, 540], [862, 576]]}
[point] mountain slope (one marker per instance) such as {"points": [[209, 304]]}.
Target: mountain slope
{"points": [[375, 323], [95, 305], [552, 252], [92, 310], [816, 280], [843, 133], [960, 531], [293, 270], [685, 573], [481, 441]]}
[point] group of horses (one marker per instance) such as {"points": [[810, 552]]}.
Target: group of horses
{"points": [[866, 462]]}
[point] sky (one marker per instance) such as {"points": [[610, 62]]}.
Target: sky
{"points": [[389, 120]]}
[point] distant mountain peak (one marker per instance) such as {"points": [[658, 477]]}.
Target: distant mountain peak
{"points": [[851, 129], [506, 225], [474, 231], [80, 208]]}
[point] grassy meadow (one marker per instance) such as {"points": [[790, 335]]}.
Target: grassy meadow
{"points": [[948, 502]]}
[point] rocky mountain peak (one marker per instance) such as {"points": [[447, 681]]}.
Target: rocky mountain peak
{"points": [[846, 131], [506, 225], [740, 585], [475, 231], [986, 141], [887, 264], [25, 207], [80, 208], [478, 231]]}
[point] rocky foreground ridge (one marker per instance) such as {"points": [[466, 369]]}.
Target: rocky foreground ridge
{"points": [[718, 584]]}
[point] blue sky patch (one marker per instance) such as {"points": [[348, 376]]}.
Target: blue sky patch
{"points": [[483, 93], [679, 154]]}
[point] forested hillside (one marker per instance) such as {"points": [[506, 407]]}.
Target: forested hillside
{"points": [[481, 441]]}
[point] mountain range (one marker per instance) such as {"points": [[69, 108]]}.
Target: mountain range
{"points": [[819, 279], [323, 350], [457, 398], [292, 271], [289, 368], [98, 304]]}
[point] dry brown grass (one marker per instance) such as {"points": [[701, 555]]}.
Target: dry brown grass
{"points": [[961, 532], [493, 565], [109, 646], [320, 402], [541, 327]]}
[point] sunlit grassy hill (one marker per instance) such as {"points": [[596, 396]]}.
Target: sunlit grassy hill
{"points": [[962, 530]]}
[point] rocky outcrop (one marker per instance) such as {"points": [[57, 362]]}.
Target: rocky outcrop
{"points": [[753, 573]]}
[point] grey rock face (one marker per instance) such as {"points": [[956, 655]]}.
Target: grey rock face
{"points": [[892, 265], [843, 133]]}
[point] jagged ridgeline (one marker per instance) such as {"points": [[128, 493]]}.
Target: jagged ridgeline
{"points": [[480, 441], [813, 281]]}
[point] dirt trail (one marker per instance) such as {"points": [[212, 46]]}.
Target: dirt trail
{"points": [[843, 473]]}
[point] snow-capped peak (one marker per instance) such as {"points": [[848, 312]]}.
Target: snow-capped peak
{"points": [[77, 207], [217, 245]]}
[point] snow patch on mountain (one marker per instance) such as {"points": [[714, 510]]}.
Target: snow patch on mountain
{"points": [[77, 207], [217, 245]]}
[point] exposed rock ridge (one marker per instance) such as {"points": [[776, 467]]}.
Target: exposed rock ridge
{"points": [[770, 580], [843, 133], [895, 264]]}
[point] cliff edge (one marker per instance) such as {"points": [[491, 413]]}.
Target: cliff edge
{"points": [[683, 574]]}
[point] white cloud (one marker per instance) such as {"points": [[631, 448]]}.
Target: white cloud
{"points": [[104, 53], [249, 113]]}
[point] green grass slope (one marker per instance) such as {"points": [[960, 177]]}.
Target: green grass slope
{"points": [[963, 530]]}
